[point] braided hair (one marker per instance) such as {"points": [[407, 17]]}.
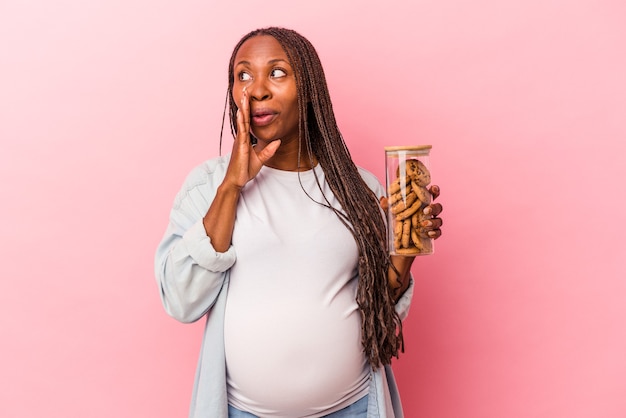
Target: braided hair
{"points": [[381, 335]]}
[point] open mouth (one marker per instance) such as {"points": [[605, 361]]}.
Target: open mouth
{"points": [[263, 117]]}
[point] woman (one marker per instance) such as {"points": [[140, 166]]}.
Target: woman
{"points": [[282, 246]]}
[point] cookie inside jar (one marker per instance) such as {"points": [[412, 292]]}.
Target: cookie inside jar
{"points": [[408, 178]]}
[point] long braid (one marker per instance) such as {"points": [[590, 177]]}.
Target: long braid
{"points": [[361, 213]]}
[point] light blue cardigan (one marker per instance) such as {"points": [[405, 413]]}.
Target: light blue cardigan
{"points": [[193, 280]]}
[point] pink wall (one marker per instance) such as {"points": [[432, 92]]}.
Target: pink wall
{"points": [[106, 105]]}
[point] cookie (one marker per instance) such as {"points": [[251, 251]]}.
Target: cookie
{"points": [[408, 196]]}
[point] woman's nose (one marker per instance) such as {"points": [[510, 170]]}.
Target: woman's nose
{"points": [[258, 90]]}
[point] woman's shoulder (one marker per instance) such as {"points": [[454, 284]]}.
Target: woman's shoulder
{"points": [[204, 178], [208, 170]]}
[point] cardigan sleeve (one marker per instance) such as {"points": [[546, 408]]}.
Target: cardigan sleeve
{"points": [[189, 272]]}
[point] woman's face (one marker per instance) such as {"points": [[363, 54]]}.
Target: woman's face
{"points": [[261, 66]]}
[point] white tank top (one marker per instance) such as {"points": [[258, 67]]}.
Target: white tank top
{"points": [[292, 326]]}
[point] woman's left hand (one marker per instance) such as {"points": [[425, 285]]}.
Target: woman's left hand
{"points": [[433, 225]]}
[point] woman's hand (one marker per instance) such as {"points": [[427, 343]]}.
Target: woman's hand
{"points": [[433, 226], [401, 265], [245, 162]]}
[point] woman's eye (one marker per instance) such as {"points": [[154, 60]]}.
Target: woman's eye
{"points": [[277, 73], [243, 76]]}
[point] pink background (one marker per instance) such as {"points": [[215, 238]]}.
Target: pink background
{"points": [[106, 105]]}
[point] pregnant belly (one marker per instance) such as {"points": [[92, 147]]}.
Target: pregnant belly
{"points": [[292, 355]]}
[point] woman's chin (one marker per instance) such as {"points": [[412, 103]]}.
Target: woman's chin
{"points": [[264, 140]]}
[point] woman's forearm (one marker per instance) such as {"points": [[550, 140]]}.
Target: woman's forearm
{"points": [[399, 277], [219, 220]]}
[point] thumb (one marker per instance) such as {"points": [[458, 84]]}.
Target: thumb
{"points": [[384, 203], [269, 151]]}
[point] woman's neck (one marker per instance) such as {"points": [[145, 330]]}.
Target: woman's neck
{"points": [[304, 164], [291, 158]]}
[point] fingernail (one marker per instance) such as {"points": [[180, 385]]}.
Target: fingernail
{"points": [[427, 210], [427, 223], [431, 233]]}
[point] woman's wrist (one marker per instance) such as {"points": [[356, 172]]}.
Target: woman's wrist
{"points": [[399, 274]]}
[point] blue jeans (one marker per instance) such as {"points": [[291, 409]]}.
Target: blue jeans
{"points": [[356, 410]]}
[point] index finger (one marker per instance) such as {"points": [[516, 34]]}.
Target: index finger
{"points": [[435, 191], [436, 209], [243, 116]]}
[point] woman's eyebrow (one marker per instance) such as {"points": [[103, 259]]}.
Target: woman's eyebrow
{"points": [[273, 61]]}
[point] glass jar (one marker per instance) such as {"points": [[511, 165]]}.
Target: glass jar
{"points": [[408, 180]]}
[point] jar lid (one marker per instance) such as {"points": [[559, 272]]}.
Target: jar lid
{"points": [[409, 148]]}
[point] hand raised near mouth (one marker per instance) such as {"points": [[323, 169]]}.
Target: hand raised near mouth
{"points": [[246, 161]]}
